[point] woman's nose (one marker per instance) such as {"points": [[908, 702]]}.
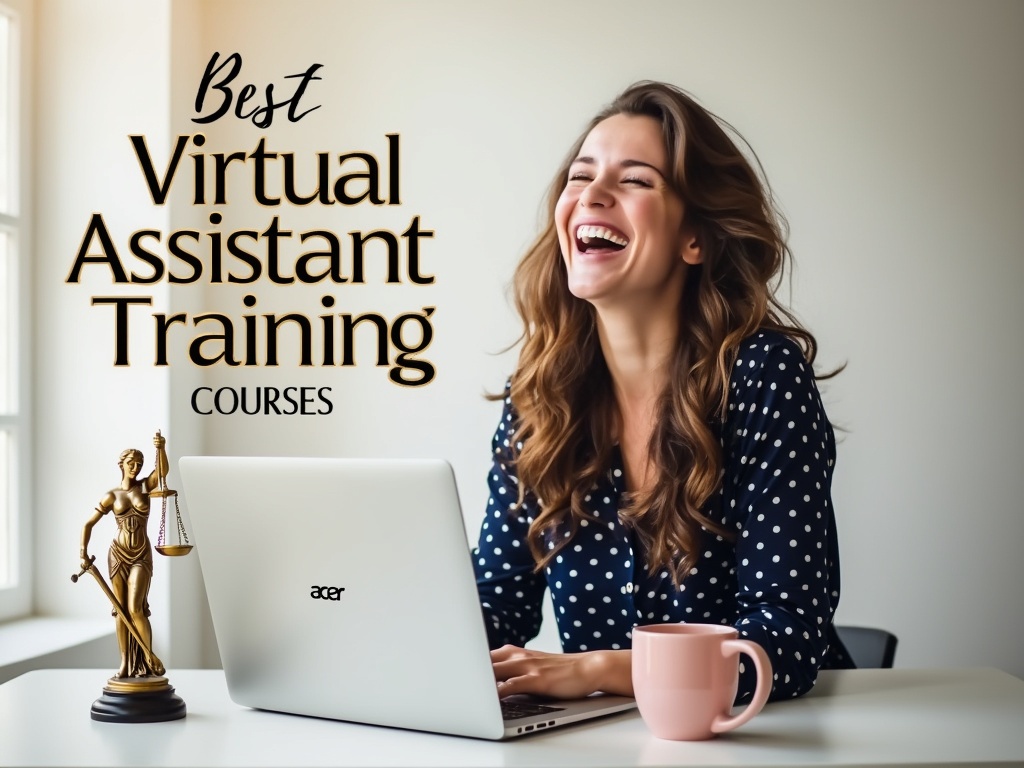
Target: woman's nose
{"points": [[596, 193]]}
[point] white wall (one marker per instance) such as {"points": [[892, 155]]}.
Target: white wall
{"points": [[890, 133]]}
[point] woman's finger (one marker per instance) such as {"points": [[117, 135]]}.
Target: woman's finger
{"points": [[504, 670], [521, 684], [508, 652]]}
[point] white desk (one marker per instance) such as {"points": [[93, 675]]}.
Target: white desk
{"points": [[946, 717]]}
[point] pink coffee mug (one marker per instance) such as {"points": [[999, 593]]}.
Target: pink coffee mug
{"points": [[685, 678]]}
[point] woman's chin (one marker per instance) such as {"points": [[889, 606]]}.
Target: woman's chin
{"points": [[588, 290]]}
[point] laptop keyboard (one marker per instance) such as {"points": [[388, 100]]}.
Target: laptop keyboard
{"points": [[516, 710]]}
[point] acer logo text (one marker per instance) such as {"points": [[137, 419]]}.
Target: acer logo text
{"points": [[326, 593]]}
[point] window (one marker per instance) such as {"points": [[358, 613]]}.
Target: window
{"points": [[15, 595]]}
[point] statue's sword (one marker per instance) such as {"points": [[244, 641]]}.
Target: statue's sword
{"points": [[151, 658]]}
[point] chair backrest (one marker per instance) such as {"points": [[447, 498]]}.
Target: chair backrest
{"points": [[870, 647]]}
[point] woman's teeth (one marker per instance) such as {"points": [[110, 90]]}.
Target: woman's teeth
{"points": [[589, 233]]}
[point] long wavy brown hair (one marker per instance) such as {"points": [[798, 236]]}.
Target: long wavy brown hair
{"points": [[561, 390]]}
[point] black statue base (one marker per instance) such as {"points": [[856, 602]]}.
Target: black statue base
{"points": [[147, 705]]}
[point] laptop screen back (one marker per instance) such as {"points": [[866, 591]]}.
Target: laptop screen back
{"points": [[343, 588]]}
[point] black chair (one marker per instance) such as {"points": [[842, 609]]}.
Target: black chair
{"points": [[869, 647]]}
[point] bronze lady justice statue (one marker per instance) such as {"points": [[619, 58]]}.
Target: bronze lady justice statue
{"points": [[138, 692]]}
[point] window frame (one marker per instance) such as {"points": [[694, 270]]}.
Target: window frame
{"points": [[16, 597]]}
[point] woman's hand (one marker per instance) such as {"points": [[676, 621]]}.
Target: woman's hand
{"points": [[561, 675]]}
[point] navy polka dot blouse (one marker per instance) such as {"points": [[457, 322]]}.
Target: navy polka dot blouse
{"points": [[777, 582]]}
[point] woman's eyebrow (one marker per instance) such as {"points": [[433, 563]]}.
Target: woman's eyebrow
{"points": [[627, 163]]}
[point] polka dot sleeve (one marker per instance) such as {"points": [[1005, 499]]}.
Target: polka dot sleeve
{"points": [[779, 453], [510, 591]]}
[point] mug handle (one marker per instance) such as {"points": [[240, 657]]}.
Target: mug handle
{"points": [[723, 723]]}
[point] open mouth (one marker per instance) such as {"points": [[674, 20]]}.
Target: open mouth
{"points": [[591, 239]]}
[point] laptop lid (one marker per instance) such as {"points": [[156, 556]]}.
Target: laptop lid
{"points": [[343, 588]]}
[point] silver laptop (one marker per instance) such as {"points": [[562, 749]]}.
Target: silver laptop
{"points": [[343, 588]]}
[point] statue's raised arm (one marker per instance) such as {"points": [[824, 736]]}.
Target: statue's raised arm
{"points": [[162, 465]]}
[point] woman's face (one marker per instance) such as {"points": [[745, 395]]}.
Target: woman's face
{"points": [[620, 224], [132, 465]]}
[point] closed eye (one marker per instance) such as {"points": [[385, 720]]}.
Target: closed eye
{"points": [[637, 180]]}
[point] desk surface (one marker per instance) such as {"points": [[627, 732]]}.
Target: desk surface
{"points": [[944, 717]]}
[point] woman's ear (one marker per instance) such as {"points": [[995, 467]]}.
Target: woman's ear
{"points": [[692, 253]]}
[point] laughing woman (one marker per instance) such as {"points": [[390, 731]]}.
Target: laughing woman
{"points": [[663, 454]]}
